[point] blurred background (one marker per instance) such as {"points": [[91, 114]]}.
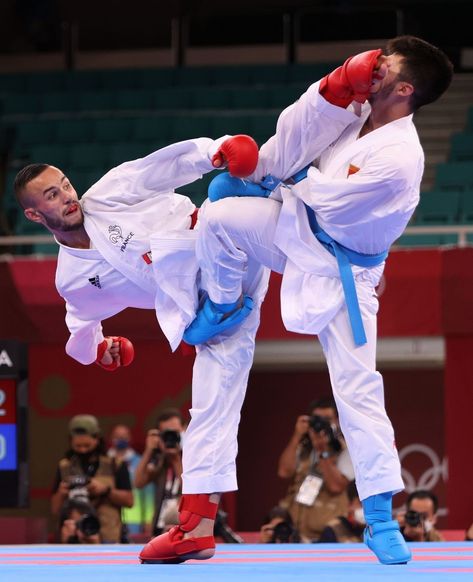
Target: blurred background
{"points": [[86, 86]]}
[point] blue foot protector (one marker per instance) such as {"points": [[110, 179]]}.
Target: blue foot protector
{"points": [[386, 541], [225, 185], [378, 507], [213, 319]]}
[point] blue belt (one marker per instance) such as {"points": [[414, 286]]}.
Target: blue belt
{"points": [[345, 258]]}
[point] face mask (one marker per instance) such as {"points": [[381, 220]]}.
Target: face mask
{"points": [[359, 516], [428, 525], [121, 444]]}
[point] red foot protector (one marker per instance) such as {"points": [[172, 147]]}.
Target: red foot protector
{"points": [[126, 350], [171, 547]]}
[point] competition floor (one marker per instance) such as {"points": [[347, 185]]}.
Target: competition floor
{"points": [[433, 562]]}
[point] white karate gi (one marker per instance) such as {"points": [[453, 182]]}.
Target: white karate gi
{"points": [[366, 212], [133, 210]]}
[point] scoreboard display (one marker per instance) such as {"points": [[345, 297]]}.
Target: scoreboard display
{"points": [[13, 425]]}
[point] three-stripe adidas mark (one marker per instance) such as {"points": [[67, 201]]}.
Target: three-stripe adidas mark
{"points": [[95, 281]]}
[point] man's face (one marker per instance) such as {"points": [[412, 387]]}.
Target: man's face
{"points": [[390, 83], [173, 423], [83, 444], [425, 507], [53, 202], [327, 414]]}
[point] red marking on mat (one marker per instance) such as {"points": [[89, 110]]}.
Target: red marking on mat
{"points": [[70, 562], [47, 554]]}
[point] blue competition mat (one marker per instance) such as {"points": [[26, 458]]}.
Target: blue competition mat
{"points": [[433, 562]]}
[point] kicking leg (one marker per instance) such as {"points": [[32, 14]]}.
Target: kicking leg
{"points": [[233, 232]]}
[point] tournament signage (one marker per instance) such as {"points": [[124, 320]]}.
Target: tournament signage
{"points": [[13, 467]]}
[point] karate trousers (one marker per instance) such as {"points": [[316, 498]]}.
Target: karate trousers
{"points": [[236, 239]]}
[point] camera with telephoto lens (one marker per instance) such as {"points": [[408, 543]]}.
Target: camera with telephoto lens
{"points": [[284, 533], [171, 438], [414, 518], [78, 487], [88, 524], [321, 425]]}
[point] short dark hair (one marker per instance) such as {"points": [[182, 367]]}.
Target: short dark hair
{"points": [[425, 66], [423, 494], [169, 413], [323, 402], [24, 176]]}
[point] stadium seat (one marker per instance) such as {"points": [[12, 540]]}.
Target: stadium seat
{"points": [[437, 208], [97, 101], [210, 98], [310, 72], [269, 74], [466, 207], [30, 133], [229, 125], [454, 176], [194, 76], [262, 127], [281, 97], [172, 98], [120, 79], [19, 103], [54, 154], [45, 82], [232, 76], [462, 147], [155, 129], [83, 81], [112, 130], [426, 240], [139, 99], [250, 97], [189, 127], [13, 83], [157, 79], [88, 156], [58, 102], [70, 131], [127, 151]]}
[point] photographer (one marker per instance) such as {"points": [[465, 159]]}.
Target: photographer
{"points": [[161, 464], [278, 528], [317, 461], [79, 523], [349, 528], [418, 522], [87, 475]]}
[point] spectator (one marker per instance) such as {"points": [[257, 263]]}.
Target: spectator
{"points": [[161, 464], [317, 461], [418, 522], [86, 474], [136, 518], [278, 528], [79, 523], [350, 528]]}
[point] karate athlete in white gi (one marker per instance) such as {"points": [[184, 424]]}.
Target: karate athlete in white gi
{"points": [[329, 238], [128, 243]]}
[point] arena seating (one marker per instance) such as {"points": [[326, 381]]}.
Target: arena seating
{"points": [[89, 121]]}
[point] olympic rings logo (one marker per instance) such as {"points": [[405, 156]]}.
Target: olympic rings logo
{"points": [[429, 479]]}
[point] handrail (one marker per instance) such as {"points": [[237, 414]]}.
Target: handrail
{"points": [[461, 230]]}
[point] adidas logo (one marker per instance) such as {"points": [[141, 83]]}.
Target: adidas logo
{"points": [[95, 281]]}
